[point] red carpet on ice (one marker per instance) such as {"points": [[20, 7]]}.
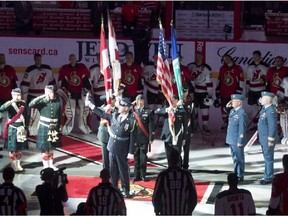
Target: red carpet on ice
{"points": [[85, 149], [79, 186]]}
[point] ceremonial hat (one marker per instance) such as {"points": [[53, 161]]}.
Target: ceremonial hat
{"points": [[16, 91], [140, 97], [126, 102], [237, 97], [268, 94], [50, 87]]}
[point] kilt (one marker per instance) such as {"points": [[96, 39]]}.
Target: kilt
{"points": [[11, 143], [42, 137]]}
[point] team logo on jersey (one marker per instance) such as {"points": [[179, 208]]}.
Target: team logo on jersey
{"points": [[228, 79], [101, 78], [41, 77], [129, 78], [4, 80], [256, 75], [74, 79], [196, 74], [276, 80], [153, 77]]}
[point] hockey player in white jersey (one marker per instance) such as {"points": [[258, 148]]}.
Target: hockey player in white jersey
{"points": [[234, 201], [201, 80], [36, 77]]}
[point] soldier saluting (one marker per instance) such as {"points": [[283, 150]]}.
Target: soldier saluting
{"points": [[121, 141]]}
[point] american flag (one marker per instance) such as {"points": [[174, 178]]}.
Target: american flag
{"points": [[163, 74], [104, 65], [114, 56]]}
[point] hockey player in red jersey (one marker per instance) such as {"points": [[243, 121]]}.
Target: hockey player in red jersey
{"points": [[275, 75], [74, 78], [230, 81], [8, 81], [131, 77]]}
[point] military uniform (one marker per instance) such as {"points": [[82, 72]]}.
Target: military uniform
{"points": [[121, 142], [267, 129], [190, 120], [142, 142], [236, 134], [50, 119], [103, 137], [179, 129]]}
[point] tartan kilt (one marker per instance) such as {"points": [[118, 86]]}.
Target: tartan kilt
{"points": [[11, 143], [42, 137]]}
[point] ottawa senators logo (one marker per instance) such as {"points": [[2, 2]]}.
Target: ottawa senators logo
{"points": [[74, 79], [228, 79], [129, 78], [4, 80], [276, 80], [41, 78]]}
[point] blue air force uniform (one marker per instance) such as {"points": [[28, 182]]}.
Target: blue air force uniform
{"points": [[236, 133], [267, 129], [121, 142]]}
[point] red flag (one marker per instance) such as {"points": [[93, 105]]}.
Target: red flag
{"points": [[114, 56], [104, 65], [163, 73]]}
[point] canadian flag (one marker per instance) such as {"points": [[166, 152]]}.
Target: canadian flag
{"points": [[114, 56], [105, 66]]}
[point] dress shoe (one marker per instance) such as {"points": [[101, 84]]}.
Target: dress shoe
{"points": [[240, 179], [264, 182], [144, 179], [135, 179], [126, 195]]}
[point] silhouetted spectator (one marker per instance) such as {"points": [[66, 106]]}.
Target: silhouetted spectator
{"points": [[141, 37], [12, 198], [80, 209], [50, 196], [129, 17], [105, 199], [24, 16], [234, 201], [279, 194], [174, 191]]}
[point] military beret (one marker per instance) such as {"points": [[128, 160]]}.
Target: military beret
{"points": [[140, 97], [50, 87], [126, 102], [16, 91], [268, 94], [237, 97]]}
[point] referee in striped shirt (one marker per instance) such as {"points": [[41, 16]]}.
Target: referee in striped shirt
{"points": [[12, 198], [174, 192], [105, 199]]}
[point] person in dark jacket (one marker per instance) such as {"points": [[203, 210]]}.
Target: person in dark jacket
{"points": [[50, 196]]}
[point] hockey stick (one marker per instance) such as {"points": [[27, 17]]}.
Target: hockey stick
{"points": [[251, 142]]}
